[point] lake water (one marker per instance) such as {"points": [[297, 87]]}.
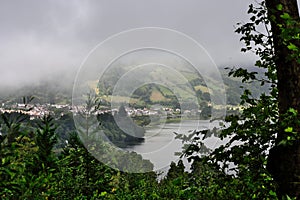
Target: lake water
{"points": [[160, 144]]}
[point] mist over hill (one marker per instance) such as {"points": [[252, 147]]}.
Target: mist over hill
{"points": [[55, 88], [58, 87]]}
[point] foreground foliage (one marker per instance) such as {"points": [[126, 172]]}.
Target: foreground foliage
{"points": [[31, 168]]}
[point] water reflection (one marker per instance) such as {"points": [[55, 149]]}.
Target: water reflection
{"points": [[160, 144]]}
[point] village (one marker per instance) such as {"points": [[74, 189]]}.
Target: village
{"points": [[40, 110]]}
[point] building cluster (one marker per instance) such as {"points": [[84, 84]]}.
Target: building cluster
{"points": [[130, 111], [40, 110], [34, 111]]}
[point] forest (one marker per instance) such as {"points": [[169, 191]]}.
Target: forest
{"points": [[260, 161]]}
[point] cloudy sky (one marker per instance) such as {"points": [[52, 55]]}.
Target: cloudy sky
{"points": [[40, 38]]}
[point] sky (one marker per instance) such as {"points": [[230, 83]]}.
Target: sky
{"points": [[40, 39]]}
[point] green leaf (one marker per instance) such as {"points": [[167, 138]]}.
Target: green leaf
{"points": [[103, 194], [285, 16], [288, 130], [282, 143], [279, 7], [293, 111], [292, 47], [288, 198], [272, 193]]}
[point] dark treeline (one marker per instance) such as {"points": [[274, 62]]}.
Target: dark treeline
{"points": [[33, 168]]}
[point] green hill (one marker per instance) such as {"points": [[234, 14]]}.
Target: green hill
{"points": [[164, 94], [157, 91]]}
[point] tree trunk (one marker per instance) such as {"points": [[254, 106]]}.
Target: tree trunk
{"points": [[284, 161]]}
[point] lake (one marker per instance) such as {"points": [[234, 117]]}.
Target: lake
{"points": [[160, 144]]}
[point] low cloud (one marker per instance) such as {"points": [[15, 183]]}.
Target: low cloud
{"points": [[40, 39]]}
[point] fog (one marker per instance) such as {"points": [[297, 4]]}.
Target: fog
{"points": [[43, 39]]}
